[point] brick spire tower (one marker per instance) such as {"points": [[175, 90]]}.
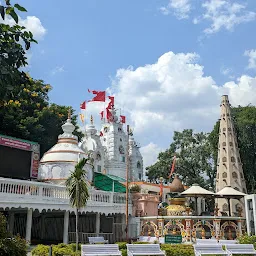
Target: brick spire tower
{"points": [[229, 168]]}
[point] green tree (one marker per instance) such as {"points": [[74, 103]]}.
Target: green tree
{"points": [[77, 188], [194, 159], [27, 114], [10, 245], [14, 42], [245, 124]]}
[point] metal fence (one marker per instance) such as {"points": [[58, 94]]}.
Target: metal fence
{"points": [[117, 235]]}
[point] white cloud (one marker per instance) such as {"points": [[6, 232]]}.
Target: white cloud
{"points": [[174, 94], [226, 71], [252, 59], [32, 23], [150, 153], [180, 8], [225, 15], [58, 69]]}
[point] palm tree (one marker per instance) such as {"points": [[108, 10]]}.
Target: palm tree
{"points": [[77, 187]]}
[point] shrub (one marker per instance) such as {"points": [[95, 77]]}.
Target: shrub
{"points": [[245, 239], [135, 188], [10, 245], [121, 245], [124, 252], [57, 250]]}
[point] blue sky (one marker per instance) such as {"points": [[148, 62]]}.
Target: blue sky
{"points": [[93, 44]]}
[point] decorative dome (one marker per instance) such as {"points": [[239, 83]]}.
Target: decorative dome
{"points": [[66, 149], [176, 185], [57, 163]]}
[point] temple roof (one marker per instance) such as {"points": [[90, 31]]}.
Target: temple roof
{"points": [[66, 149]]}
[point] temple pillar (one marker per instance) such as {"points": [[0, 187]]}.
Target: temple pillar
{"points": [[188, 230], [239, 227], [65, 229], [160, 224], [29, 225], [11, 222], [97, 224], [42, 229], [217, 229]]}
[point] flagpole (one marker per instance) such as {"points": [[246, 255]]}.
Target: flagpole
{"points": [[127, 185]]}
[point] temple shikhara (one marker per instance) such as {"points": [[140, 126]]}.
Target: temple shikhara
{"points": [[229, 168], [35, 201]]}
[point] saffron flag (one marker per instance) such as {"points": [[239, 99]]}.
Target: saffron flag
{"points": [[122, 119], [100, 96], [82, 118], [161, 189], [83, 105], [172, 166], [101, 114]]}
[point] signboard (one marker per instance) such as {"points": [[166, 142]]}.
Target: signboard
{"points": [[33, 147], [172, 239]]}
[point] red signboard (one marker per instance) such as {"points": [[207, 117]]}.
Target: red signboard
{"points": [[5, 141]]}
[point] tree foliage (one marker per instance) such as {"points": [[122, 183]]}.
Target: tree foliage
{"points": [[26, 113], [14, 42], [10, 245], [77, 188], [194, 159]]}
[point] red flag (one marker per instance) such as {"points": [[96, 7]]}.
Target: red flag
{"points": [[101, 114], [83, 105], [100, 96], [123, 119], [101, 134], [112, 101], [173, 166], [109, 115]]}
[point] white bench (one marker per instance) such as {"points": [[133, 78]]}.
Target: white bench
{"points": [[224, 242], [100, 249], [206, 241], [97, 239], [144, 249], [240, 249], [206, 249], [148, 239]]}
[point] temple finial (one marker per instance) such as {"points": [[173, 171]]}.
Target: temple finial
{"points": [[69, 113], [91, 120]]}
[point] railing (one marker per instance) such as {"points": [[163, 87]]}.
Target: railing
{"points": [[193, 227], [12, 188]]}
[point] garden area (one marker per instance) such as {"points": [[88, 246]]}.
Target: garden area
{"points": [[170, 249]]}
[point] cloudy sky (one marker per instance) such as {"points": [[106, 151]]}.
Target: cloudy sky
{"points": [[166, 61]]}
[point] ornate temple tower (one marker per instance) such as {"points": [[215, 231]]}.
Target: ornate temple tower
{"points": [[91, 145], [136, 161], [114, 140], [229, 168]]}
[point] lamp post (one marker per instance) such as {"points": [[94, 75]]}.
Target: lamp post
{"points": [[127, 184], [161, 179]]}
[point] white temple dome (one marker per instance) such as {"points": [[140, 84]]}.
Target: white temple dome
{"points": [[66, 149], [57, 163]]}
